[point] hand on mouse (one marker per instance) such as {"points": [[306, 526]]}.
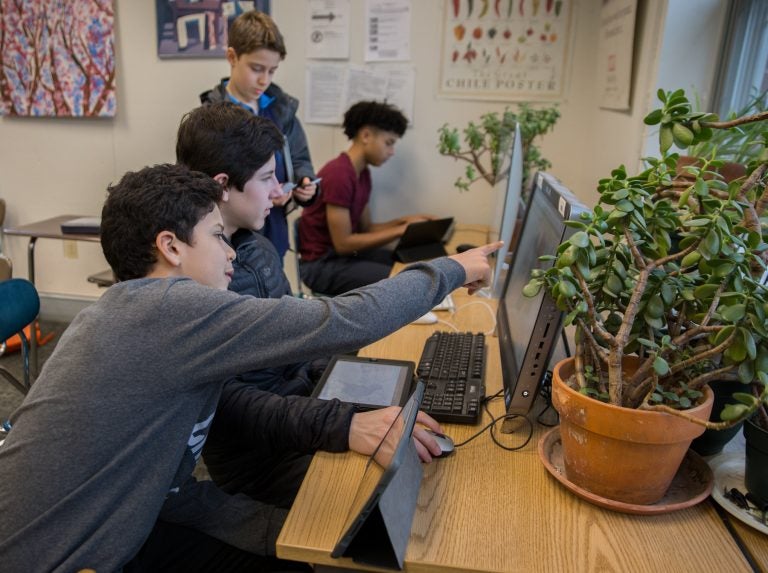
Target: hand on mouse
{"points": [[369, 428], [475, 263]]}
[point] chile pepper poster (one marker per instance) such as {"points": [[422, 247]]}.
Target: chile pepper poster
{"points": [[505, 49]]}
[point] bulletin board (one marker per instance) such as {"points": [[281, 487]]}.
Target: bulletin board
{"points": [[505, 50]]}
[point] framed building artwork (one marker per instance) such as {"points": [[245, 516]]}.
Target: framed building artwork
{"points": [[57, 58], [505, 50], [198, 28]]}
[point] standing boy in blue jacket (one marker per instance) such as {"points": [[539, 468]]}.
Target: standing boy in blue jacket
{"points": [[255, 50]]}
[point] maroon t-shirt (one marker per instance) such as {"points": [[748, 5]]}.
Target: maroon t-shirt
{"points": [[341, 187]]}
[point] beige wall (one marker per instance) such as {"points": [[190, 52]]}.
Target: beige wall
{"points": [[50, 167]]}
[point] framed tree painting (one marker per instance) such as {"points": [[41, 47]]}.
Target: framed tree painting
{"points": [[198, 28], [57, 58]]}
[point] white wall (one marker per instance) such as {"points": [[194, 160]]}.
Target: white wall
{"points": [[55, 166]]}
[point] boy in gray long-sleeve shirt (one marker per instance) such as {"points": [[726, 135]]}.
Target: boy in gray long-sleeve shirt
{"points": [[102, 448]]}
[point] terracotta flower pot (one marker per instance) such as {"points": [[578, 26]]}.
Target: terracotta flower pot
{"points": [[620, 453]]}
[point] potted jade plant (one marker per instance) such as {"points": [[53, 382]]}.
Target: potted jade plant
{"points": [[663, 282], [486, 143]]}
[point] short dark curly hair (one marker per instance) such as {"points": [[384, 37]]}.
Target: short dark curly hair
{"points": [[383, 116], [224, 137], [146, 202]]}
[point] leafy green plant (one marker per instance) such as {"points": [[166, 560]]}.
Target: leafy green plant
{"points": [[743, 143], [670, 270], [486, 142]]}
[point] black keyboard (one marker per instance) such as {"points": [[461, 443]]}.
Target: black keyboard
{"points": [[452, 366]]}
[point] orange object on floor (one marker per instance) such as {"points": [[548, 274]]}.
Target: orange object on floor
{"points": [[13, 344]]}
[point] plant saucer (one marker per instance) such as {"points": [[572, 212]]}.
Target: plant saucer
{"points": [[729, 473], [692, 482]]}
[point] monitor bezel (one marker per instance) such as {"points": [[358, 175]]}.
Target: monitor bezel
{"points": [[509, 214], [521, 384]]}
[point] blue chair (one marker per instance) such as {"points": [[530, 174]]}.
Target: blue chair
{"points": [[19, 306]]}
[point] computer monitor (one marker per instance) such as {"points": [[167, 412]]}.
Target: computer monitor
{"points": [[528, 327], [504, 216]]}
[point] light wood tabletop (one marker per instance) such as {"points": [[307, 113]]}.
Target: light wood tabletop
{"points": [[487, 509]]}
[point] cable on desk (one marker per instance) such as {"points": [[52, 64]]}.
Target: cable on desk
{"points": [[446, 323], [546, 392], [491, 426], [486, 306]]}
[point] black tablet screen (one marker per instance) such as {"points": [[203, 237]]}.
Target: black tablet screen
{"points": [[368, 382]]}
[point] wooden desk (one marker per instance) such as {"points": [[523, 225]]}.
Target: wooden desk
{"points": [[486, 509], [47, 229]]}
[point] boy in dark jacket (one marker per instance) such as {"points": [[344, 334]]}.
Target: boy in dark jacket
{"points": [[255, 51], [218, 139]]}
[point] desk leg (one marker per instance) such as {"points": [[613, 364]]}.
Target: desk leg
{"points": [[33, 330]]}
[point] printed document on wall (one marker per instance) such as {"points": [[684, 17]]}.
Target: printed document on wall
{"points": [[333, 88], [387, 30], [328, 29]]}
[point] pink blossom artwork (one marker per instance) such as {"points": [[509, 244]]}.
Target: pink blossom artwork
{"points": [[57, 58]]}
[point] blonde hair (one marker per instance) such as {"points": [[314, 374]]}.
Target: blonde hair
{"points": [[253, 31]]}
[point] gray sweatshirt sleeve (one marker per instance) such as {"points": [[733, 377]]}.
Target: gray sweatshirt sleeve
{"points": [[225, 334]]}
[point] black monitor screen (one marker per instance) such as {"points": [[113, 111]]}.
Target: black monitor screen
{"points": [[542, 234], [528, 327]]}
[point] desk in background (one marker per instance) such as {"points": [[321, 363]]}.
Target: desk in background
{"points": [[47, 229], [486, 509]]}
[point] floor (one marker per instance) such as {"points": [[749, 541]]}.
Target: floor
{"points": [[10, 398]]}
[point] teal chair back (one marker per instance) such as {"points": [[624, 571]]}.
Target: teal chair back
{"points": [[19, 307]]}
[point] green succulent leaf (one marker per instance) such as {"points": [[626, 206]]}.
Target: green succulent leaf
{"points": [[532, 288], [733, 313], [733, 412], [660, 366]]}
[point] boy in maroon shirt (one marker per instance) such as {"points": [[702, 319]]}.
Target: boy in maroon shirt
{"points": [[341, 248]]}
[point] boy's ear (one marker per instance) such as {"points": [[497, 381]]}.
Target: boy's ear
{"points": [[166, 243], [231, 56], [364, 134], [223, 180]]}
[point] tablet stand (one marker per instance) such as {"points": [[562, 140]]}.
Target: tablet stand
{"points": [[383, 538]]}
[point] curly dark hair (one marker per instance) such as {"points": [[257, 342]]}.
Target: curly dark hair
{"points": [[146, 202], [252, 31], [224, 137], [383, 116]]}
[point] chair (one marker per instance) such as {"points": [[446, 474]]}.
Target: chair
{"points": [[19, 306]]}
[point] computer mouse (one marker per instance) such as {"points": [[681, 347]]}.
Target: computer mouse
{"points": [[445, 443], [429, 318], [464, 247]]}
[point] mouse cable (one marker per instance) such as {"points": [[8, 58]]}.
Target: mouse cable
{"points": [[492, 425]]}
